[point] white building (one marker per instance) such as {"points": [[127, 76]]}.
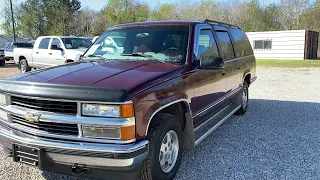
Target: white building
{"points": [[295, 44]]}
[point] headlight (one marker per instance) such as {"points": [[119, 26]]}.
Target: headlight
{"points": [[121, 133], [125, 132], [100, 132], [99, 110], [3, 99]]}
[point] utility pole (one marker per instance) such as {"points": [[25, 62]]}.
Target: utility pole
{"points": [[13, 28]]}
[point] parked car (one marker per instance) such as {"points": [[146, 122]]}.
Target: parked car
{"points": [[32, 42], [129, 114], [51, 51], [10, 46], [2, 61]]}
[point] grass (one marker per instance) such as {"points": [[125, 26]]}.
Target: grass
{"points": [[288, 63]]}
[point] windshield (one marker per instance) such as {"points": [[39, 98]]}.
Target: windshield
{"points": [[76, 43], [166, 44]]}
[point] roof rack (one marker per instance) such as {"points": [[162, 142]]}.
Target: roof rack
{"points": [[220, 23]]}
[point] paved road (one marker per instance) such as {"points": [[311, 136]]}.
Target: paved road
{"points": [[277, 139]]}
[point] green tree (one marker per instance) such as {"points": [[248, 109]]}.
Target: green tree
{"points": [[124, 11], [165, 12]]}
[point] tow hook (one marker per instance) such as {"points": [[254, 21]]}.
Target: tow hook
{"points": [[80, 169]]}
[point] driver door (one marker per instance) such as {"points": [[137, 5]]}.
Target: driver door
{"points": [[56, 57], [211, 83]]}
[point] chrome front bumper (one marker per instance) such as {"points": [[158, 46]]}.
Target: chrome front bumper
{"points": [[109, 156]]}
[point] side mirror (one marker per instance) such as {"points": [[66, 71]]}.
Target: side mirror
{"points": [[55, 47], [207, 62]]}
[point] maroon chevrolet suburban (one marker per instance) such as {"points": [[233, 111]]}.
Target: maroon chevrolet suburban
{"points": [[141, 94]]}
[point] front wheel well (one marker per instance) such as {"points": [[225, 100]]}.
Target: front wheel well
{"points": [[21, 57], [178, 109]]}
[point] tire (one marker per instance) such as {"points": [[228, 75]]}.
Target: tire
{"points": [[23, 66], [162, 125], [244, 99], [2, 63]]}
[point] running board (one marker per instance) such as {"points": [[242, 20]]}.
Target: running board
{"points": [[206, 128]]}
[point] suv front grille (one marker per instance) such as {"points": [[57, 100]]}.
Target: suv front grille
{"points": [[50, 127], [45, 105]]}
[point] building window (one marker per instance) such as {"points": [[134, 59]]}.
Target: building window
{"points": [[262, 44]]}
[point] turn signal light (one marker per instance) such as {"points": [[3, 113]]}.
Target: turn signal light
{"points": [[127, 132], [126, 110]]}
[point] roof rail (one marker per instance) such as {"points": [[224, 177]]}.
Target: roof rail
{"points": [[219, 23]]}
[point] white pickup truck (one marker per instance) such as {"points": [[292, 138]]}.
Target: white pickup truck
{"points": [[50, 51]]}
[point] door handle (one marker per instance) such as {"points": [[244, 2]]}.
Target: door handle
{"points": [[37, 52], [223, 74], [50, 53]]}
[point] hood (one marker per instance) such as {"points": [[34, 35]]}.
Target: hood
{"points": [[75, 54], [123, 74], [76, 51]]}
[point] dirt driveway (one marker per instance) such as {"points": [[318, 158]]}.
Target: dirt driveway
{"points": [[10, 69]]}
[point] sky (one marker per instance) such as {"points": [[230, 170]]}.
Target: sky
{"points": [[99, 4]]}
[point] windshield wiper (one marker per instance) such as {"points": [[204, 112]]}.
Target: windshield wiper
{"points": [[91, 55], [135, 54]]}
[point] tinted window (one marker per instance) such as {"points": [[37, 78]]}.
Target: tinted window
{"points": [[226, 49], [23, 45], [44, 43], [258, 44], [207, 45], [56, 42], [267, 44], [241, 43], [76, 43], [262, 44]]}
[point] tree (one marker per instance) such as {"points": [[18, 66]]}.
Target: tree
{"points": [[290, 12], [165, 12], [7, 24], [125, 11]]}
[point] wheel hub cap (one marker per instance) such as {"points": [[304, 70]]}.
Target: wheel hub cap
{"points": [[23, 67], [169, 151], [244, 98]]}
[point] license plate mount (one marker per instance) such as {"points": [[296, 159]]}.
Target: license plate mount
{"points": [[27, 155]]}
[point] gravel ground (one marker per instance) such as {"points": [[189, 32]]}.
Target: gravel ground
{"points": [[277, 139]]}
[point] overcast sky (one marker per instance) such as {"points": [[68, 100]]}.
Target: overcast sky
{"points": [[99, 4]]}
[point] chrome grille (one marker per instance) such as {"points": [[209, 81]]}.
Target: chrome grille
{"points": [[46, 105], [50, 127]]}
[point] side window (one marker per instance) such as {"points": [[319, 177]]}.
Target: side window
{"points": [[262, 44], [207, 46], [226, 49], [242, 44], [56, 41], [44, 43]]}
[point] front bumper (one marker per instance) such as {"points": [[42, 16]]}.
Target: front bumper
{"points": [[66, 154]]}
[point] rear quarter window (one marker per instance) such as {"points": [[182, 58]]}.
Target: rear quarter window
{"points": [[242, 45]]}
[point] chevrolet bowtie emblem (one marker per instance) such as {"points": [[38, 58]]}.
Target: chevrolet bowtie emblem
{"points": [[32, 117]]}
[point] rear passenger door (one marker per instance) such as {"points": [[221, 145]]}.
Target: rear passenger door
{"points": [[243, 51], [40, 53], [231, 64]]}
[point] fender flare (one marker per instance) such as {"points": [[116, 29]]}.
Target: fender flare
{"points": [[188, 132]]}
